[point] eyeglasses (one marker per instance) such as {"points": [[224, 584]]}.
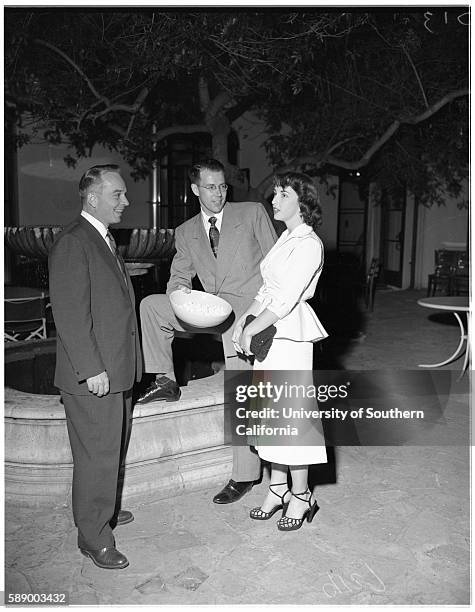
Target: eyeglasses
{"points": [[214, 188]]}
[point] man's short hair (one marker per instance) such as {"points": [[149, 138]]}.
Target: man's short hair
{"points": [[93, 176], [213, 165]]}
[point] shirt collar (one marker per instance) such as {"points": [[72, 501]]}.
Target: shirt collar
{"points": [[219, 219], [100, 227]]}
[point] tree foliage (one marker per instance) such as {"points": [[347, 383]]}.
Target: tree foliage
{"points": [[376, 92]]}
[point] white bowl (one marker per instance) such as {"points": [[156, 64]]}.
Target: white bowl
{"points": [[199, 308]]}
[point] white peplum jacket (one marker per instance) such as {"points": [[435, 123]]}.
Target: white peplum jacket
{"points": [[290, 273]]}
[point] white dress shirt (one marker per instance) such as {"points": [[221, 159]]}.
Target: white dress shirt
{"points": [[207, 224], [100, 227]]}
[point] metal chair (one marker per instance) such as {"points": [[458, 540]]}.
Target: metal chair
{"points": [[461, 282], [442, 277], [25, 318]]}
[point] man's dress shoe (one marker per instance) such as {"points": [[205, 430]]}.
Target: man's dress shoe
{"points": [[232, 492], [124, 517], [107, 558], [161, 389]]}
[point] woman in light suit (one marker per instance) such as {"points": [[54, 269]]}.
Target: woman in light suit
{"points": [[290, 273]]}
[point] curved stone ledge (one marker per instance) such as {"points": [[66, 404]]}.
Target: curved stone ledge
{"points": [[173, 446]]}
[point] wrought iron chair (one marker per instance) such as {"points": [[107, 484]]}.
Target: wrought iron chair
{"points": [[25, 318], [461, 284], [442, 277]]}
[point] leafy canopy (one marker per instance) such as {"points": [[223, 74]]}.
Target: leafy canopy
{"points": [[383, 93]]}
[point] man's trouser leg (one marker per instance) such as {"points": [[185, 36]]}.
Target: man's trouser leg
{"points": [[158, 323], [126, 431], [95, 432], [246, 461]]}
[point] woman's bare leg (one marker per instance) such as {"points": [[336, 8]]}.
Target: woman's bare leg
{"points": [[278, 476], [297, 507]]}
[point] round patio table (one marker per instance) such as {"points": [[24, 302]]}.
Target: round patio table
{"points": [[453, 304]]}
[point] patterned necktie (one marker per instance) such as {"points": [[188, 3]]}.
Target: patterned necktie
{"points": [[118, 258], [213, 235]]}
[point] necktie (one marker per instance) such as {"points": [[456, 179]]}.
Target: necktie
{"points": [[213, 235], [118, 258]]}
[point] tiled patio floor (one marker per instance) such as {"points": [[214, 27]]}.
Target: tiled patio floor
{"points": [[393, 529]]}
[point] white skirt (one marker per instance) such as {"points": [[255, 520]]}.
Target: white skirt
{"points": [[292, 355]]}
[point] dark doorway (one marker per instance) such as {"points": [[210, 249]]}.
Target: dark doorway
{"points": [[393, 215], [351, 222], [177, 201]]}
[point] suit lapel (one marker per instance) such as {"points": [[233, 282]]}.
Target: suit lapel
{"points": [[229, 240], [107, 253], [201, 243]]}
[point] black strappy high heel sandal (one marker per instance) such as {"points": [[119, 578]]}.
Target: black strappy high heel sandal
{"points": [[287, 523], [259, 515]]}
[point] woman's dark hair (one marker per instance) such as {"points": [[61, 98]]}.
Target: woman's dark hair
{"points": [[309, 200]]}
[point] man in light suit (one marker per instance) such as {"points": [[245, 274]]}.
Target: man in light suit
{"points": [[223, 245], [98, 358]]}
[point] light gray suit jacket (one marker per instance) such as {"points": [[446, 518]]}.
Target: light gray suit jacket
{"points": [[246, 236]]}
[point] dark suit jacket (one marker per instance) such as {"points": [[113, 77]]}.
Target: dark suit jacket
{"points": [[94, 312]]}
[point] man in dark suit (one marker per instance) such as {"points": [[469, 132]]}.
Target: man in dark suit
{"points": [[223, 245], [98, 358]]}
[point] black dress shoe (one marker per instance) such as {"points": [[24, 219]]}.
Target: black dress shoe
{"points": [[124, 517], [107, 558], [232, 492], [161, 389]]}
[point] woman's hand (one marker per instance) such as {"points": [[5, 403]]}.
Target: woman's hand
{"points": [[237, 333], [245, 342]]}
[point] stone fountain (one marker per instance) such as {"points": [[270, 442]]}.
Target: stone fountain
{"points": [[137, 243], [173, 447], [140, 247]]}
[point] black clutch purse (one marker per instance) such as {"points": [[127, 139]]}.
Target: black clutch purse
{"points": [[262, 341]]}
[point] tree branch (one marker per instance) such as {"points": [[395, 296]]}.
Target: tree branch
{"points": [[393, 128], [218, 104], [458, 93], [109, 106], [128, 108], [341, 143], [317, 162], [179, 129], [203, 93], [406, 52], [74, 65]]}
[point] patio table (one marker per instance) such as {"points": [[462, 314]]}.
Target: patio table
{"points": [[453, 304]]}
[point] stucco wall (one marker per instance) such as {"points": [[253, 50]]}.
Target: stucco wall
{"points": [[47, 188], [47, 195]]}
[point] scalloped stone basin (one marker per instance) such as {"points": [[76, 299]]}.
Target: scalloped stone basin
{"points": [[136, 243], [174, 447]]}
